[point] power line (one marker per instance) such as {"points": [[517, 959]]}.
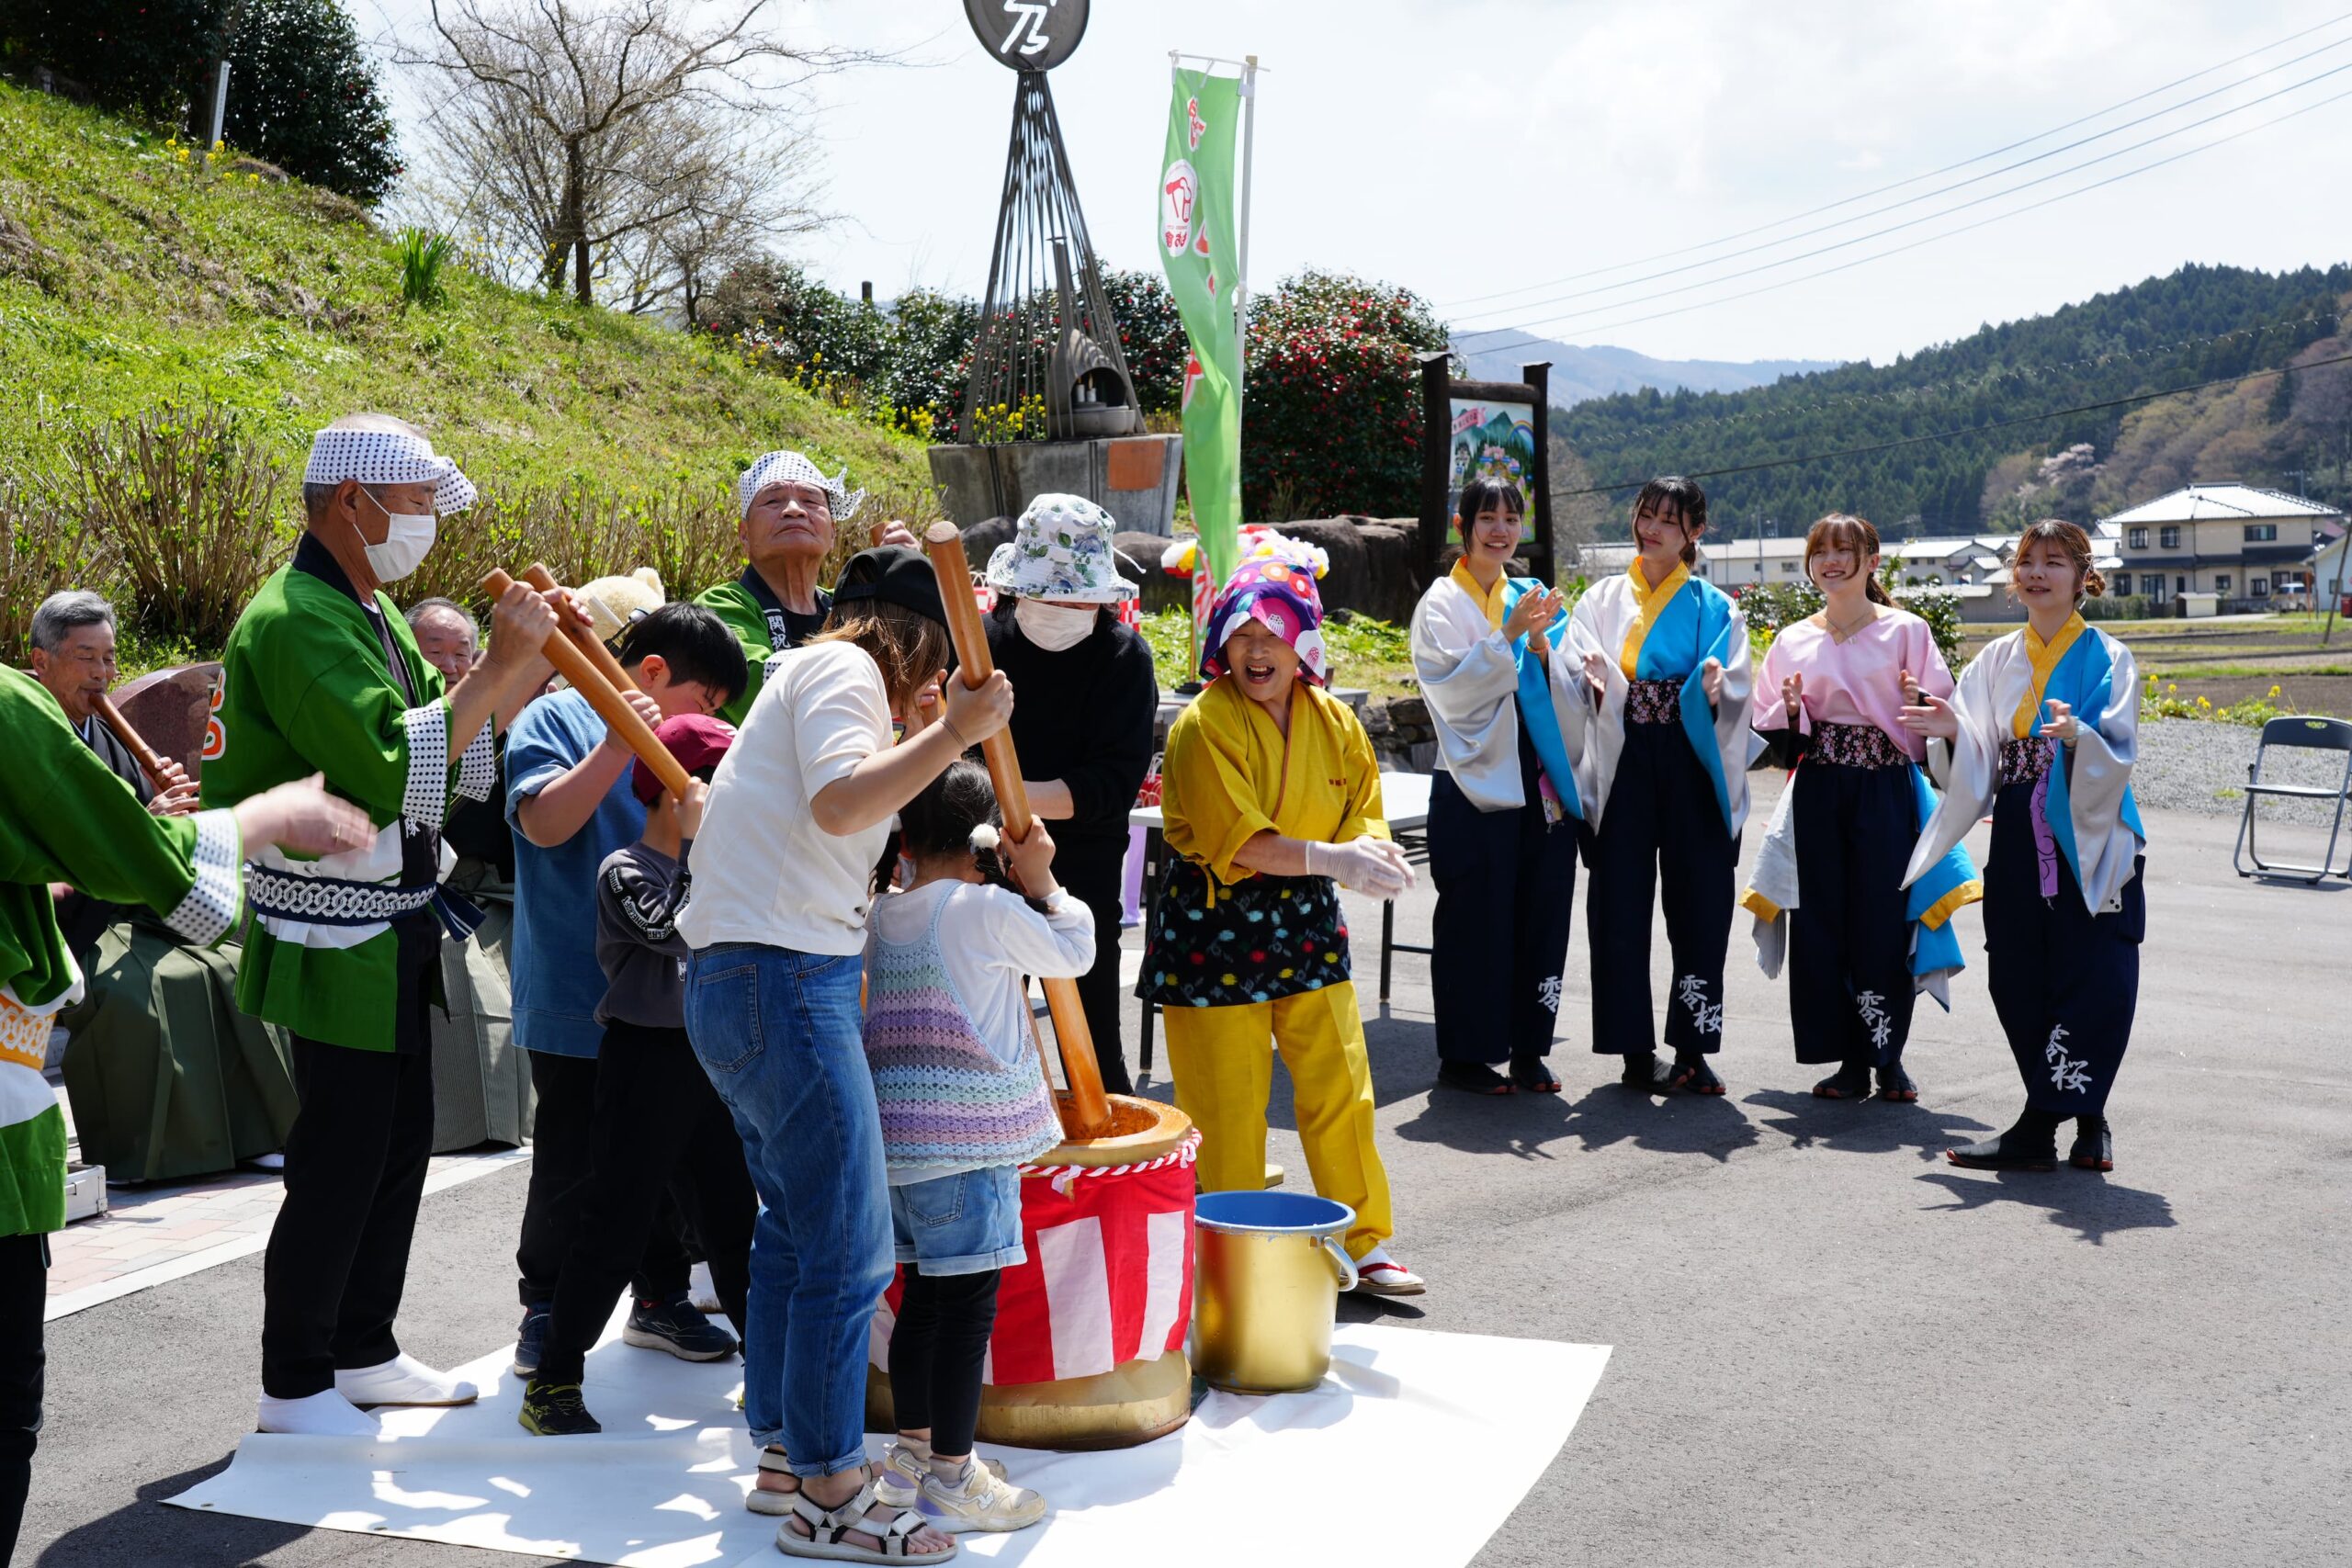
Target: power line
{"points": [[1946, 190], [1969, 430], [1914, 222], [1915, 245], [1914, 179]]}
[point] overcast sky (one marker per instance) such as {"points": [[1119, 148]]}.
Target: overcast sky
{"points": [[1472, 146]]}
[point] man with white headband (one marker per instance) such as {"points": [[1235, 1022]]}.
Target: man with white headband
{"points": [[322, 676], [789, 509]]}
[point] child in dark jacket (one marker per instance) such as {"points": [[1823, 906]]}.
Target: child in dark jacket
{"points": [[659, 1123]]}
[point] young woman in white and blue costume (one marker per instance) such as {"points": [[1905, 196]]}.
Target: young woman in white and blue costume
{"points": [[2042, 731], [1503, 807], [1659, 732]]}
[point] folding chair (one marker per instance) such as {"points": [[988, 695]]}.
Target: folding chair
{"points": [[2313, 734]]}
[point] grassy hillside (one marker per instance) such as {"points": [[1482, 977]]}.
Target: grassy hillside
{"points": [[2195, 324], [126, 281]]}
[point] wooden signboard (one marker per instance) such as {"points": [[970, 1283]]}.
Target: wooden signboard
{"points": [[1471, 429]]}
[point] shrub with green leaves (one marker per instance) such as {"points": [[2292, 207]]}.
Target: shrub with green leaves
{"points": [[1332, 417], [188, 499], [46, 546], [303, 94]]}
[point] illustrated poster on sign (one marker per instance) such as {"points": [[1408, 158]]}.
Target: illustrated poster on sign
{"points": [[1494, 441]]}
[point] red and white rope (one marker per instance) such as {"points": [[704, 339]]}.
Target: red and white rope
{"points": [[1062, 1176]]}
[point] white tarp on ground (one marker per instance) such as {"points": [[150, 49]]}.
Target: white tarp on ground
{"points": [[1470, 1421]]}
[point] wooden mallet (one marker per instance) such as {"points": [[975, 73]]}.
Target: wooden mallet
{"points": [[582, 637], [1086, 1112], [604, 696]]}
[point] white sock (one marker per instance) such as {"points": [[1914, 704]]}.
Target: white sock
{"points": [[404, 1380], [323, 1415]]}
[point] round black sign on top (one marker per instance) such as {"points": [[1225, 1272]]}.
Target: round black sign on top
{"points": [[1028, 35]]}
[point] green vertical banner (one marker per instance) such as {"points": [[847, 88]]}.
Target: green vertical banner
{"points": [[1201, 251]]}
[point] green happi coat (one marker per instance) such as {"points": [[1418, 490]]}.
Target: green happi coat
{"points": [[307, 687], [65, 817], [758, 622]]}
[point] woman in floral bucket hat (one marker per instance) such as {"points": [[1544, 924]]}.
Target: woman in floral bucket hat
{"points": [[1086, 750], [1271, 796]]}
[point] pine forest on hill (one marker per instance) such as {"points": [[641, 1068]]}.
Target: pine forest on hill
{"points": [[2200, 324]]}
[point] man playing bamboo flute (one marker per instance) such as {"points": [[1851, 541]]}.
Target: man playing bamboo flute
{"points": [[65, 818], [323, 675]]}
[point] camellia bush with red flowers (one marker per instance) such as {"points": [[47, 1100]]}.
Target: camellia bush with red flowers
{"points": [[1331, 414]]}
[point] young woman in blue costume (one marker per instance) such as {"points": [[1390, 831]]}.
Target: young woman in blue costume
{"points": [[1660, 741], [2042, 731]]}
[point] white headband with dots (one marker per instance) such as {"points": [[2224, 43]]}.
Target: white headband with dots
{"points": [[388, 457], [791, 467]]}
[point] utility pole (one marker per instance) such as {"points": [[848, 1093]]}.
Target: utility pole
{"points": [[219, 112]]}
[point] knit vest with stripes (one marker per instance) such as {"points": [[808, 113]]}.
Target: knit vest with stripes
{"points": [[946, 1101]]}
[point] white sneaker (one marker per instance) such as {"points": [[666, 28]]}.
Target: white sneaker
{"points": [[984, 1501], [404, 1380], [323, 1415], [906, 1465], [1377, 1274]]}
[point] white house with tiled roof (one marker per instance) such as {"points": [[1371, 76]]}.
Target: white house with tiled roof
{"points": [[2246, 546]]}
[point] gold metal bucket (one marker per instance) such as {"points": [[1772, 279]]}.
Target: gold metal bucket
{"points": [[1268, 1273]]}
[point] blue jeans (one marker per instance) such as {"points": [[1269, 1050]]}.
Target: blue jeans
{"points": [[965, 1223], [779, 1033]]}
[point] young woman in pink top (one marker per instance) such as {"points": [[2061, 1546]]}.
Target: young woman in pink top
{"points": [[1841, 678]]}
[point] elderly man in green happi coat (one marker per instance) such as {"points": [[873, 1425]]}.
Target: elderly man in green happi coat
{"points": [[321, 675]]}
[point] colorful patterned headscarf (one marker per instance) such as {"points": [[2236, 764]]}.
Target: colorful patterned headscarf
{"points": [[1278, 597]]}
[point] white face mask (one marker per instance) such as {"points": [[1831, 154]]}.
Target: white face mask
{"points": [[404, 547], [1054, 627]]}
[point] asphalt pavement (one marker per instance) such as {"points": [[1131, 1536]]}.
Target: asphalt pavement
{"points": [[1830, 1348]]}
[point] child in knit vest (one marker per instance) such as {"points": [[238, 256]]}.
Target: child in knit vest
{"points": [[964, 1103]]}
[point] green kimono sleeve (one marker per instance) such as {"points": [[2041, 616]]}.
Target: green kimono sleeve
{"points": [[64, 817], [730, 604]]}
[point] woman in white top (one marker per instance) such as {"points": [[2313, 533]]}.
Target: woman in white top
{"points": [[1502, 804], [798, 813]]}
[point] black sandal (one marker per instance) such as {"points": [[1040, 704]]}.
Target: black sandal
{"points": [[2007, 1152], [1694, 1076], [1851, 1081], [1532, 1075], [1645, 1072], [1894, 1084], [2094, 1144], [1473, 1078]]}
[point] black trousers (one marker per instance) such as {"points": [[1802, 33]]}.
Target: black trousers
{"points": [[1091, 870], [658, 1124], [937, 1349], [1661, 825], [1506, 899], [2065, 981], [563, 1146], [24, 1295], [355, 1172], [1849, 947]]}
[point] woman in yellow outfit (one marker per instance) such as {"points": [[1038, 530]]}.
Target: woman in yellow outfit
{"points": [[1271, 796]]}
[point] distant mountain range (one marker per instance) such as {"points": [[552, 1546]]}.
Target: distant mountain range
{"points": [[1579, 374]]}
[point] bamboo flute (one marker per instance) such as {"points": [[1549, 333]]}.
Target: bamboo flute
{"points": [[150, 760]]}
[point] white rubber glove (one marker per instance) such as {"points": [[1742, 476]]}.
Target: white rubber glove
{"points": [[1375, 866]]}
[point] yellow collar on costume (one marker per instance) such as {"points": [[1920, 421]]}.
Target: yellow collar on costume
{"points": [[2044, 658], [1647, 603], [1490, 602]]}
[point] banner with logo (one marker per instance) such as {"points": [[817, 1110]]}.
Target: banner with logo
{"points": [[1202, 253]]}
